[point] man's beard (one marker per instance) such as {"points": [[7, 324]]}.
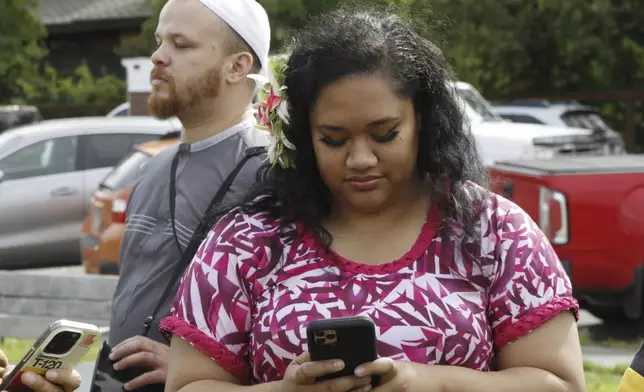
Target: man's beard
{"points": [[196, 90]]}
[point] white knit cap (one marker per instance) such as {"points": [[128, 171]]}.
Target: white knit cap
{"points": [[248, 19]]}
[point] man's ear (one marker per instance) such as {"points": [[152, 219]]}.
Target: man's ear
{"points": [[240, 65]]}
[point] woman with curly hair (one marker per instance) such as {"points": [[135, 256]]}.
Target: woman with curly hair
{"points": [[375, 205]]}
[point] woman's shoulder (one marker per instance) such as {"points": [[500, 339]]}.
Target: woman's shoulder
{"points": [[243, 225], [498, 213], [248, 230]]}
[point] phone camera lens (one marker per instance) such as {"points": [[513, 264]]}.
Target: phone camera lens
{"points": [[62, 343], [330, 336], [320, 341], [319, 333]]}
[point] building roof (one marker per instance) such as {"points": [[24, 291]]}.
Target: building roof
{"points": [[65, 12]]}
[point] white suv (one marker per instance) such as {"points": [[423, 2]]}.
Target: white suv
{"points": [[499, 139], [562, 114]]}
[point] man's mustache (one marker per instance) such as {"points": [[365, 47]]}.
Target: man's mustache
{"points": [[157, 73]]}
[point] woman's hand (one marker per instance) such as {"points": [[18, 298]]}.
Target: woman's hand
{"points": [[395, 376], [53, 381], [301, 373]]}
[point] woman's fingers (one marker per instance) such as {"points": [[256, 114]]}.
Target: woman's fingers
{"points": [[307, 372], [69, 380], [379, 366], [302, 359]]}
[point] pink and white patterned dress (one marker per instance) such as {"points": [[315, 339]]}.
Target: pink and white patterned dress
{"points": [[252, 289]]}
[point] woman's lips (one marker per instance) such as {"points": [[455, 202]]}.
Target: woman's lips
{"points": [[364, 183]]}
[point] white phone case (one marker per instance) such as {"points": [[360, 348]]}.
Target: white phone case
{"points": [[39, 362]]}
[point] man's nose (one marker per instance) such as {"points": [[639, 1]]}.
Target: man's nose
{"points": [[160, 56]]}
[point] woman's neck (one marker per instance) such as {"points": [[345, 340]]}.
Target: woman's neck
{"points": [[411, 204]]}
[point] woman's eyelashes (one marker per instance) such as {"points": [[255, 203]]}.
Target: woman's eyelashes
{"points": [[386, 138], [332, 142]]}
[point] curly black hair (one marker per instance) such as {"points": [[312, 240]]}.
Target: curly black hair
{"points": [[363, 42]]}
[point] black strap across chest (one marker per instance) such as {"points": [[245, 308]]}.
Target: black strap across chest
{"points": [[200, 230]]}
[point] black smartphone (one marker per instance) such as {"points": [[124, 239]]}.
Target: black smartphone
{"points": [[351, 339]]}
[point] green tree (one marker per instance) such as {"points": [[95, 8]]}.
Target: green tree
{"points": [[80, 88], [21, 49], [144, 43], [285, 16]]}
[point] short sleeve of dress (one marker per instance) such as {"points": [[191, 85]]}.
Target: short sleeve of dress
{"points": [[211, 310], [528, 285]]}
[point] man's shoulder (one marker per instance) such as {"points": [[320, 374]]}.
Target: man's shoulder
{"points": [[163, 157], [147, 175], [254, 149], [158, 161], [254, 137]]}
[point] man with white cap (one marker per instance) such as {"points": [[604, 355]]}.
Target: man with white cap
{"points": [[206, 49]]}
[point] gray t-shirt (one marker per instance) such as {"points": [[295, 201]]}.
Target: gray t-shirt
{"points": [[149, 252]]}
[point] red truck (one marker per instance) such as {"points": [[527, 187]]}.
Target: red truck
{"points": [[591, 209]]}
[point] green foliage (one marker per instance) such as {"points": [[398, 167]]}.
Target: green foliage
{"points": [[25, 79], [80, 88], [505, 48], [20, 46], [144, 43]]}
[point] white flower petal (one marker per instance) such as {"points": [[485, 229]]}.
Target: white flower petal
{"points": [[258, 78], [282, 111], [272, 80], [272, 149], [287, 143]]}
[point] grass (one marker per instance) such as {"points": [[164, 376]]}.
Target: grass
{"points": [[14, 349], [598, 378], [602, 379]]}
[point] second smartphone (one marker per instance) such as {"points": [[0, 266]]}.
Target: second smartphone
{"points": [[61, 346]]}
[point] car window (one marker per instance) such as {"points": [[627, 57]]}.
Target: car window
{"points": [[47, 157], [585, 119], [122, 112], [475, 101], [102, 151], [126, 172], [519, 118]]}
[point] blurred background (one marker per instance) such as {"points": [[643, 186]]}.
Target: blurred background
{"points": [[64, 56]]}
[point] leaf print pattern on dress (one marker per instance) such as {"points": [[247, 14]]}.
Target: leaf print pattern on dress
{"points": [[447, 301]]}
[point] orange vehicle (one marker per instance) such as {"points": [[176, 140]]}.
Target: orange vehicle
{"points": [[102, 230]]}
